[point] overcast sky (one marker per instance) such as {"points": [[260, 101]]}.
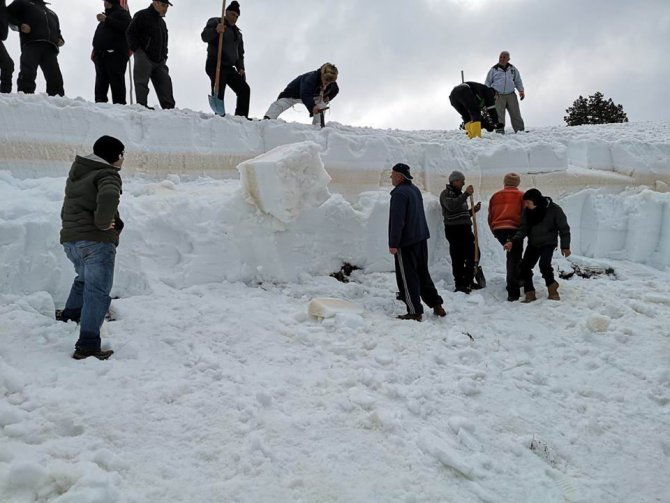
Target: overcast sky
{"points": [[398, 61]]}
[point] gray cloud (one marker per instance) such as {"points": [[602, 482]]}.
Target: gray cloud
{"points": [[399, 60]]}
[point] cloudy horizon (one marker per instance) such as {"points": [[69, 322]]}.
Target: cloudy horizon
{"points": [[399, 61]]}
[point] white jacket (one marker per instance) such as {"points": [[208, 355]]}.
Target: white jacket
{"points": [[504, 81]]}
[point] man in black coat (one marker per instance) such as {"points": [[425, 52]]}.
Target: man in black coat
{"points": [[469, 99], [314, 89], [90, 234], [40, 43], [408, 237], [110, 52], [233, 73], [148, 39], [6, 62]]}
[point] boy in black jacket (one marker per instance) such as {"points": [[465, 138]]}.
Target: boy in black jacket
{"points": [[543, 221], [110, 52]]}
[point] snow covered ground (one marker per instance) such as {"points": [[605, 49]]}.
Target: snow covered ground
{"points": [[222, 388]]}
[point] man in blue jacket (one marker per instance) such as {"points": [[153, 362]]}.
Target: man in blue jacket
{"points": [[314, 89], [41, 41], [6, 62], [408, 237]]}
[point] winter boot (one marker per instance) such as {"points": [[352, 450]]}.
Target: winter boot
{"points": [[415, 317], [530, 297], [439, 311], [553, 291], [81, 354], [474, 129]]}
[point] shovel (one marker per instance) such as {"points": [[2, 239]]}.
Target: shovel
{"points": [[215, 102], [479, 278]]}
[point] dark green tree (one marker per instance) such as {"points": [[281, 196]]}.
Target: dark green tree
{"points": [[594, 110]]}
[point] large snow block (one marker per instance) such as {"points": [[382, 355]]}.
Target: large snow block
{"points": [[286, 181]]}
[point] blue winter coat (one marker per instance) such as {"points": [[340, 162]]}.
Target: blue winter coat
{"points": [[306, 87], [407, 220]]}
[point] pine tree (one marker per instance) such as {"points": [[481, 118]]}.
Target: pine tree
{"points": [[595, 110]]}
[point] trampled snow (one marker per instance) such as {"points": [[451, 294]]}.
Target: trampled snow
{"points": [[223, 388]]}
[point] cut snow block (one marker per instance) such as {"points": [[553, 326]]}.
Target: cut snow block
{"points": [[286, 181], [327, 307]]}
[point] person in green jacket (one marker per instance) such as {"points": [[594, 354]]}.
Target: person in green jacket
{"points": [[90, 234]]}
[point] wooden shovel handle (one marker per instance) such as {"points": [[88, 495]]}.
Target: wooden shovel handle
{"points": [[217, 81], [474, 228]]}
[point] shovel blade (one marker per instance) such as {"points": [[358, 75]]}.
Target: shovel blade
{"points": [[479, 277], [217, 106]]}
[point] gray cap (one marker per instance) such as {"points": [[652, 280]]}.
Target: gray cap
{"points": [[456, 175]]}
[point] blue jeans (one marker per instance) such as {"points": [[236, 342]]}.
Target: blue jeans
{"points": [[89, 296]]}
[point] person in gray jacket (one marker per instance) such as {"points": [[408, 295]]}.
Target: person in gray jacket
{"points": [[458, 230], [233, 73], [90, 235], [505, 78], [543, 221]]}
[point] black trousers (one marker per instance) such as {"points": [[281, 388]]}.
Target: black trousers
{"points": [[462, 252], [110, 71], [513, 261], [45, 56], [413, 278], [530, 258], [465, 103], [6, 70], [159, 75], [231, 78]]}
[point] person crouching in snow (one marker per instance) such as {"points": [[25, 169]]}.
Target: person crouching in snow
{"points": [[505, 209], [90, 235], [469, 99], [543, 221], [314, 89], [408, 237]]}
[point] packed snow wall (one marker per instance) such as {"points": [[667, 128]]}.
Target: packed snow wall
{"points": [[41, 135]]}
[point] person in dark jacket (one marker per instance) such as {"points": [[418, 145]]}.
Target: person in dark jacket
{"points": [[6, 62], [408, 237], [314, 89], [110, 52], [469, 99], [543, 221], [458, 230], [148, 38], [233, 73], [90, 234], [41, 41]]}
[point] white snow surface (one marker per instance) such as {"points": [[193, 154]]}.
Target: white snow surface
{"points": [[223, 388]]}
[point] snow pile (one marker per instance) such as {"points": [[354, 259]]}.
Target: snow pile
{"points": [[286, 181]]}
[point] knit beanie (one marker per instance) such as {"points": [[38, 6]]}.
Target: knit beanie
{"points": [[108, 148], [456, 175], [511, 180], [234, 6], [536, 196]]}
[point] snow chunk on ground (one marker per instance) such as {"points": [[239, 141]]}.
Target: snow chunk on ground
{"points": [[286, 181]]}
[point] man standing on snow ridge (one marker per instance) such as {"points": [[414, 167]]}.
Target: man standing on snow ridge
{"points": [[148, 39], [41, 41], [6, 62], [408, 237], [110, 53], [504, 78], [505, 209], [90, 235], [542, 221], [233, 73]]}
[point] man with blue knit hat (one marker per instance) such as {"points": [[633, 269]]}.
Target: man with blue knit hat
{"points": [[408, 243], [90, 235]]}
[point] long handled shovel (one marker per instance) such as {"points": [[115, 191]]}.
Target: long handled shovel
{"points": [[215, 102], [479, 274]]}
